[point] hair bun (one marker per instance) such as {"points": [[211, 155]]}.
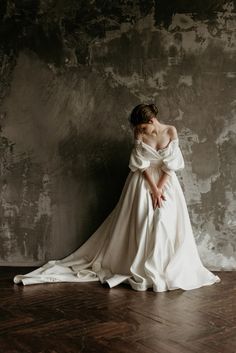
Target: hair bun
{"points": [[153, 108], [142, 113]]}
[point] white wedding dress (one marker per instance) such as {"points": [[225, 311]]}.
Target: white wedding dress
{"points": [[135, 244]]}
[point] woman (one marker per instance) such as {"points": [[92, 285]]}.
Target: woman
{"points": [[147, 240]]}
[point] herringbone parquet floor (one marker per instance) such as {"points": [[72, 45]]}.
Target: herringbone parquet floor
{"points": [[91, 317]]}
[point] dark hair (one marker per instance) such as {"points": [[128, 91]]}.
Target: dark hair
{"points": [[142, 113]]}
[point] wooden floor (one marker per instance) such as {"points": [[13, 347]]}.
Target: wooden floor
{"points": [[91, 317]]}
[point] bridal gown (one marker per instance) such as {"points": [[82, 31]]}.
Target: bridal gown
{"points": [[136, 244]]}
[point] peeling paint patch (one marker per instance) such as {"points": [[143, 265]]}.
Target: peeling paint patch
{"points": [[186, 80], [216, 261], [205, 153]]}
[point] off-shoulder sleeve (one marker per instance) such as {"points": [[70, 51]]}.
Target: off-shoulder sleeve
{"points": [[173, 159], [137, 160]]}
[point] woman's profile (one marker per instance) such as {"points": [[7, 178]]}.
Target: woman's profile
{"points": [[147, 240]]}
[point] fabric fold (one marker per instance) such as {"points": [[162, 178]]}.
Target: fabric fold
{"points": [[173, 159], [137, 160]]}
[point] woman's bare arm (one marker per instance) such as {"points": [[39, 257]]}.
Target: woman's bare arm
{"points": [[162, 180], [156, 192], [149, 179], [157, 189], [153, 186]]}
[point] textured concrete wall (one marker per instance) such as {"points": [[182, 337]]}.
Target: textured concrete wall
{"points": [[71, 71]]}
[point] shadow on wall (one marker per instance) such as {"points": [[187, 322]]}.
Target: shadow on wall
{"points": [[65, 170], [50, 210]]}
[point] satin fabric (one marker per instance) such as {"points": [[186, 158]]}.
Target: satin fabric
{"points": [[136, 244]]}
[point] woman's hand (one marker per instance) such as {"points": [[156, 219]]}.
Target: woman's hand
{"points": [[156, 189], [157, 197]]}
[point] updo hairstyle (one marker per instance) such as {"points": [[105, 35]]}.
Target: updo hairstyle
{"points": [[142, 113]]}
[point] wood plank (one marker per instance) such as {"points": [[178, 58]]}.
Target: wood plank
{"points": [[91, 317]]}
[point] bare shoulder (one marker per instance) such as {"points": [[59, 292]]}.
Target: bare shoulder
{"points": [[172, 132]]}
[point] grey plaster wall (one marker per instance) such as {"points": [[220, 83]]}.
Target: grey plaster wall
{"points": [[71, 71]]}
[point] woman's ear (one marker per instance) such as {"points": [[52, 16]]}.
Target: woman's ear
{"points": [[151, 121]]}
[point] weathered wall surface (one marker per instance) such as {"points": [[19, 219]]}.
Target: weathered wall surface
{"points": [[71, 71]]}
